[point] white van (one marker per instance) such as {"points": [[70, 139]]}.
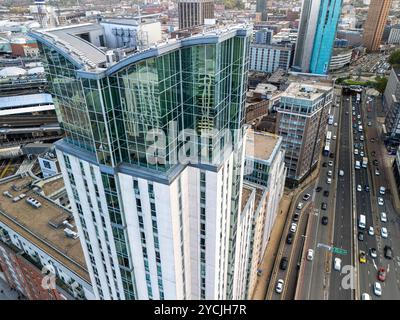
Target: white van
{"points": [[362, 221]]}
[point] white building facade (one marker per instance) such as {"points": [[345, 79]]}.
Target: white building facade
{"points": [[159, 229]]}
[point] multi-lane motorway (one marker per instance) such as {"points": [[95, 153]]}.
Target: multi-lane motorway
{"points": [[353, 192]]}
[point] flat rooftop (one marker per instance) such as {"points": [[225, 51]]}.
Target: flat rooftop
{"points": [[246, 193], [304, 90], [260, 144], [52, 185], [33, 224]]}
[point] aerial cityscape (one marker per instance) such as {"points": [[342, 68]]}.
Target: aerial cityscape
{"points": [[200, 150]]}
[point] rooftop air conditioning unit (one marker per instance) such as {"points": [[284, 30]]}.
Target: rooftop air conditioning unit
{"points": [[70, 234]]}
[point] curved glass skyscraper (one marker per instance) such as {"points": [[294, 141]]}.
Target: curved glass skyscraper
{"points": [[156, 200]]}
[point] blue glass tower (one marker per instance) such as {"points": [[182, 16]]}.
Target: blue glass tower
{"points": [[317, 31], [328, 19]]}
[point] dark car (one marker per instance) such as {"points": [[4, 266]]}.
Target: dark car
{"points": [[376, 163], [388, 252], [284, 263], [367, 188], [324, 206], [360, 236], [296, 216], [318, 189], [326, 193], [289, 238], [332, 155], [324, 164], [324, 220], [306, 197]]}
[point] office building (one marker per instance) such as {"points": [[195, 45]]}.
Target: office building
{"points": [[193, 13], [261, 9], [269, 58], [264, 183], [154, 223], [316, 36], [394, 35], [340, 58], [302, 122], [38, 238], [375, 23], [263, 36], [391, 101], [396, 171]]}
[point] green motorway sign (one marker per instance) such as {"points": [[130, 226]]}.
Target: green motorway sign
{"points": [[339, 251]]}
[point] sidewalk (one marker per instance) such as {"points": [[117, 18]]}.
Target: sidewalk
{"points": [[387, 162], [272, 249]]}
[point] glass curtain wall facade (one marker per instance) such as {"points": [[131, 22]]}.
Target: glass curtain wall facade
{"points": [[329, 14], [190, 90]]}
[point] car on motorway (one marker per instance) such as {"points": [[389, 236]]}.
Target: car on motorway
{"points": [[341, 173], [337, 264], [384, 233], [284, 263], [367, 188], [382, 190], [279, 286], [388, 252], [383, 217], [335, 124], [330, 163], [310, 254], [363, 257], [377, 289], [371, 231], [373, 253], [382, 274], [318, 189], [377, 173], [306, 197], [293, 227], [324, 206], [375, 162], [300, 205], [289, 238], [365, 296], [360, 236], [334, 137], [326, 193], [359, 188], [328, 180], [324, 220], [380, 201], [329, 173], [296, 216]]}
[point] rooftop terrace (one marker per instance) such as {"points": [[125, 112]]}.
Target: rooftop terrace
{"points": [[70, 42]]}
